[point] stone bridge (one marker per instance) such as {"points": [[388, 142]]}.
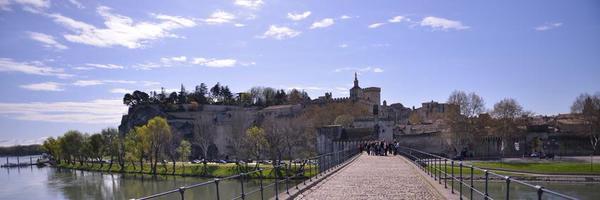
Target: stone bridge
{"points": [[373, 177]]}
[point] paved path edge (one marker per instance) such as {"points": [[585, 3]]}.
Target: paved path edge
{"points": [[302, 188]]}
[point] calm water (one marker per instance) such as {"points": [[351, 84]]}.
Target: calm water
{"points": [[51, 183]]}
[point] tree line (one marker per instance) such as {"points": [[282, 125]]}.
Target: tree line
{"points": [[217, 95], [507, 118], [22, 150]]}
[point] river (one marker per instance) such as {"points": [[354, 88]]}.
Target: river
{"points": [[52, 183]]}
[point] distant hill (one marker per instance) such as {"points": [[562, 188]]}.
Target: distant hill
{"points": [[22, 150]]}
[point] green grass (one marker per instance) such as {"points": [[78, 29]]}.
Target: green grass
{"points": [[212, 170], [540, 168], [543, 168]]}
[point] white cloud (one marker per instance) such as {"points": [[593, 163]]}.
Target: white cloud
{"points": [[219, 17], [343, 45], [548, 26], [365, 69], [381, 45], [247, 63], [46, 86], [173, 60], [105, 66], [280, 32], [398, 19], [182, 61], [438, 23], [345, 17], [252, 4], [34, 6], [150, 83], [84, 83], [5, 5], [76, 4], [217, 63], [100, 111], [121, 30], [322, 23], [298, 16], [120, 91], [179, 59], [47, 40], [34, 68], [147, 66], [376, 25], [239, 25]]}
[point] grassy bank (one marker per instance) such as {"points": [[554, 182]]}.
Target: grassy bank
{"points": [[543, 168], [537, 168], [181, 169]]}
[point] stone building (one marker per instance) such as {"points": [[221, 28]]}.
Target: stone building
{"points": [[370, 96]]}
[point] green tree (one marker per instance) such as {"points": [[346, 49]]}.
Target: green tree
{"points": [[182, 96], [71, 144], [159, 133], [97, 146], [255, 142], [215, 93], [184, 150], [52, 146], [142, 143], [112, 144]]}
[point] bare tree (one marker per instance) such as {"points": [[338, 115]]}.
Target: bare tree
{"points": [[471, 105], [591, 116], [203, 138], [459, 98], [464, 123]]}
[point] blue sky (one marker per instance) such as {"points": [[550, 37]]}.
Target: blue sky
{"points": [[66, 64]]}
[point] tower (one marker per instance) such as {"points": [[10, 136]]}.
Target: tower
{"points": [[355, 91]]}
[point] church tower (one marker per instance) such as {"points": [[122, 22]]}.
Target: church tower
{"points": [[355, 91]]}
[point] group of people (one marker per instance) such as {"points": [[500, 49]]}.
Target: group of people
{"points": [[380, 148]]}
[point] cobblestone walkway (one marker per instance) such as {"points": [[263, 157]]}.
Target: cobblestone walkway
{"points": [[373, 177]]}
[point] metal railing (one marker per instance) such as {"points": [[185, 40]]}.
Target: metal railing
{"points": [[316, 166], [437, 167]]}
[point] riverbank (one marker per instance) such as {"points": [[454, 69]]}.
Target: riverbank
{"points": [[544, 172], [212, 170], [553, 168]]}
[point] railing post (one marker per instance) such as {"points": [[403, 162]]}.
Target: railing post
{"points": [[310, 170], [429, 166], [262, 195], [507, 187], [434, 168], [287, 179], [445, 174], [181, 192], [540, 191], [276, 182], [452, 180], [460, 179], [439, 170], [487, 174], [471, 196], [242, 185], [217, 186]]}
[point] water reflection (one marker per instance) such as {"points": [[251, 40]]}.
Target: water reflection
{"points": [[52, 183]]}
